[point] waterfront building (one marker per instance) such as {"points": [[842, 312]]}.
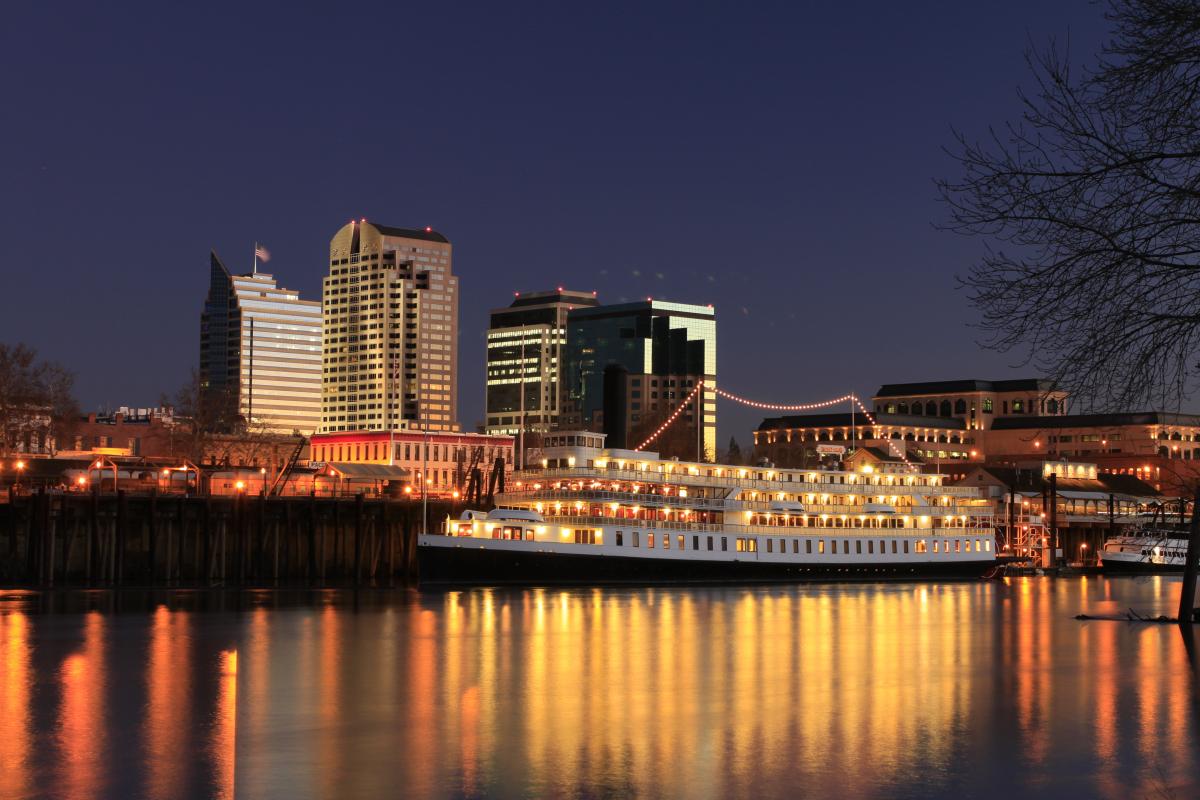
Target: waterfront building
{"points": [[1074, 513], [1159, 447], [390, 356], [653, 355], [801, 440], [260, 352], [977, 403], [145, 432], [525, 344], [447, 458]]}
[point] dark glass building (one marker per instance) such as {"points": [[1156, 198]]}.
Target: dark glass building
{"points": [[665, 349], [524, 352]]}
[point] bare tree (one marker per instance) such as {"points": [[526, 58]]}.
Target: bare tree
{"points": [[36, 400], [202, 415], [1090, 209]]}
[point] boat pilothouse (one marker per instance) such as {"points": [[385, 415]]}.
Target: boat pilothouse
{"points": [[590, 514]]}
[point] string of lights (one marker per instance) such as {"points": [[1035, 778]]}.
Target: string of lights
{"points": [[780, 407], [674, 415], [897, 451], [853, 398]]}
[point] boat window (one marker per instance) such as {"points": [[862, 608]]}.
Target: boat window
{"points": [[770, 544], [882, 546], [620, 539], [935, 545], [987, 547], [635, 539], [905, 546], [833, 546], [679, 541], [724, 543], [858, 547], [870, 548], [649, 540], [846, 549], [695, 542], [796, 546], [710, 543]]}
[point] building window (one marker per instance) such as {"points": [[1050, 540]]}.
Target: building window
{"points": [[987, 405]]}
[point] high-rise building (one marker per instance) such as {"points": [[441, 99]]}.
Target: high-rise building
{"points": [[524, 353], [391, 331], [661, 351], [260, 352]]}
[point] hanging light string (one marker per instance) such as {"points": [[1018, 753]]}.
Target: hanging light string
{"points": [[674, 415], [779, 407], [896, 451]]}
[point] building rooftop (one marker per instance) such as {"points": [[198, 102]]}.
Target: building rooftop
{"points": [[651, 305], [1033, 480], [424, 234], [964, 387], [554, 296], [844, 420], [1096, 420]]}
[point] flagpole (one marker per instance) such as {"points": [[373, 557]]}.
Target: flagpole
{"points": [[255, 272]]}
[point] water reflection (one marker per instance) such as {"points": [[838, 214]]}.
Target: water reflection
{"points": [[921, 690], [82, 736], [15, 681]]}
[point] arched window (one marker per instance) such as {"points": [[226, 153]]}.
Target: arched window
{"points": [[902, 408], [1052, 406], [895, 434], [941, 438], [916, 407], [955, 439], [931, 409], [960, 406], [945, 408], [1164, 452], [909, 437], [838, 436], [1176, 436]]}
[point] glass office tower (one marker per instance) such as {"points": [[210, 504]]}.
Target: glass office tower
{"points": [[666, 348]]}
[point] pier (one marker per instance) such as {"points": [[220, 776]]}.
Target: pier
{"points": [[150, 540]]}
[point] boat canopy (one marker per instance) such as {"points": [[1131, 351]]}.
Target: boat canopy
{"points": [[878, 508], [788, 506], [515, 514]]}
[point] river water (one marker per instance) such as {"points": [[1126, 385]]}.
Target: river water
{"points": [[974, 689]]}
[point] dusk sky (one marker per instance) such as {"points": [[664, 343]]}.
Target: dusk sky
{"points": [[775, 160]]}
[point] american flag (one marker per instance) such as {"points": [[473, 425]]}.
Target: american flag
{"points": [[261, 252]]}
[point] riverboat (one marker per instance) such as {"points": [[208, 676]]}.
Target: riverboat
{"points": [[589, 514]]}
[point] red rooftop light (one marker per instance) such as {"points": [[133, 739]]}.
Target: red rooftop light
{"points": [[428, 229]]}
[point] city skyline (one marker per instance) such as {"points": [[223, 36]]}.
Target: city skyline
{"points": [[805, 216]]}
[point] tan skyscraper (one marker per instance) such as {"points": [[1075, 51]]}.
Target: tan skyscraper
{"points": [[390, 353]]}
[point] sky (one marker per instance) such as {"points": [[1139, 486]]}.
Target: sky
{"points": [[776, 160]]}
